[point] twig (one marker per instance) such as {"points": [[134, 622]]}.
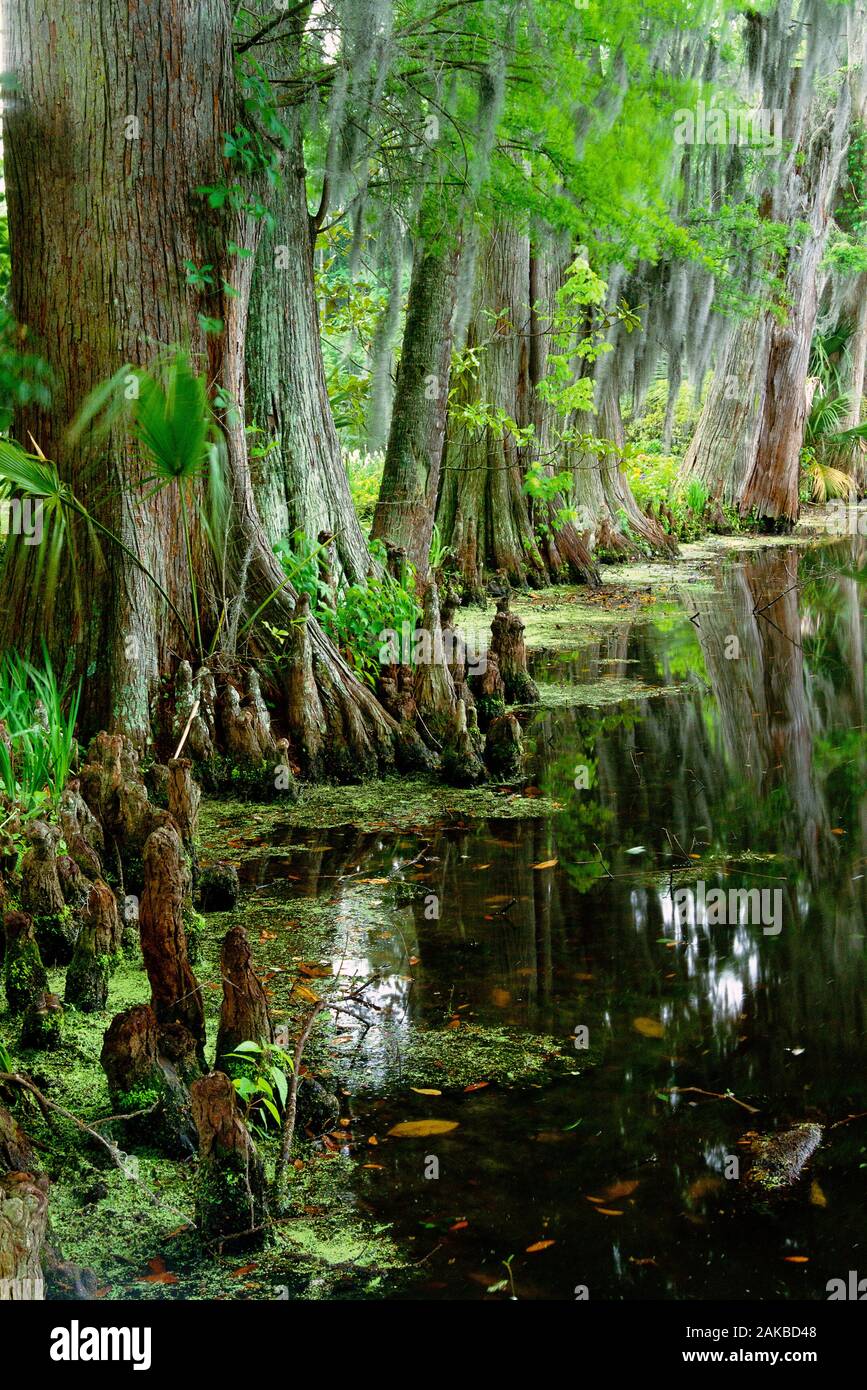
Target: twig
{"points": [[860, 1116], [714, 1095], [13, 1078], [292, 1099], [193, 712]]}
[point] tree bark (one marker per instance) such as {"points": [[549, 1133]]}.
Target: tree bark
{"points": [[771, 486], [141, 1078]]}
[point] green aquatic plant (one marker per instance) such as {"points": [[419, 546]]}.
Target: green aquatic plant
{"points": [[38, 713], [259, 1076]]}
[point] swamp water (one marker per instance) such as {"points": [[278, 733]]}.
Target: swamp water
{"points": [[586, 904]]}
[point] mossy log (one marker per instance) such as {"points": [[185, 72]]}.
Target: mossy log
{"points": [[25, 976], [141, 1077], [96, 951], [230, 1186], [23, 1222], [507, 642], [176, 998], [779, 1159], [244, 1014]]}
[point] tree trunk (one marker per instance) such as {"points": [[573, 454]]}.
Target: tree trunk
{"points": [[141, 1078], [102, 157], [601, 490], [25, 975], [88, 209], [230, 1191], [96, 952], [23, 1222], [771, 486], [302, 483], [407, 500], [723, 447], [244, 1014], [176, 997], [747, 445], [484, 514]]}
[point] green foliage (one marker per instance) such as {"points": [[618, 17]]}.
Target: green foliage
{"points": [[439, 552], [829, 450], [363, 611], [352, 304], [259, 1075], [39, 714], [25, 377], [168, 412], [578, 331], [697, 496], [300, 559], [365, 477], [847, 243], [655, 481], [645, 431], [652, 477]]}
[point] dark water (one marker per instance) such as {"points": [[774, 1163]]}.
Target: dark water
{"points": [[748, 773]]}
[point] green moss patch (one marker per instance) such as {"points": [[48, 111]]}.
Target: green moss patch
{"points": [[454, 1058]]}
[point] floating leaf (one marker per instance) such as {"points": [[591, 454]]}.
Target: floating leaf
{"points": [[159, 1274], [649, 1027], [546, 864], [621, 1189], [817, 1196], [420, 1129]]}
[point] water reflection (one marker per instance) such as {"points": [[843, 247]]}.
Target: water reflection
{"points": [[750, 777]]}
